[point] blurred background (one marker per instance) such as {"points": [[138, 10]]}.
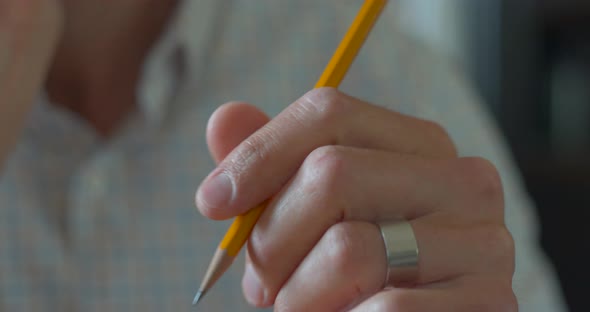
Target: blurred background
{"points": [[530, 61]]}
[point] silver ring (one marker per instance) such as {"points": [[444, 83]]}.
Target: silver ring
{"points": [[401, 250]]}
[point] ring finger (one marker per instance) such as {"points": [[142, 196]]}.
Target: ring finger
{"points": [[348, 265]]}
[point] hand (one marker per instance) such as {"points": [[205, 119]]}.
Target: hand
{"points": [[28, 34], [334, 166]]}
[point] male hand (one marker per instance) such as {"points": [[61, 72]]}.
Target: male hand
{"points": [[334, 167], [28, 34]]}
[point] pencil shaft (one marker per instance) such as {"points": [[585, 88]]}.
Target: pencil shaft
{"points": [[239, 231], [351, 44]]}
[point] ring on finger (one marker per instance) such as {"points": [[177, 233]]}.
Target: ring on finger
{"points": [[401, 251]]}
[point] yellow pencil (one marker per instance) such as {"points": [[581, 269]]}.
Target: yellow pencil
{"points": [[333, 74]]}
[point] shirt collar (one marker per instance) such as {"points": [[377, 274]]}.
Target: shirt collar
{"points": [[179, 51], [161, 73]]}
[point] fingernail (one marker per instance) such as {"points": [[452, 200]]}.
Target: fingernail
{"points": [[217, 191], [252, 287]]}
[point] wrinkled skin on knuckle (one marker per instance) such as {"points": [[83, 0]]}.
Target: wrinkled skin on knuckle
{"points": [[258, 250], [323, 105], [344, 248], [324, 170], [510, 302], [498, 245], [253, 151], [482, 184], [506, 299], [440, 136], [484, 177]]}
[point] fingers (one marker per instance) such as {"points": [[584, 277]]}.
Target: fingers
{"points": [[465, 294], [261, 164], [448, 250], [338, 165], [365, 185], [348, 266], [336, 183], [348, 262], [229, 125]]}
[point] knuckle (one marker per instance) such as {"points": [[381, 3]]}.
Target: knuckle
{"points": [[482, 178], [344, 247], [324, 104], [255, 149], [507, 302], [510, 302], [501, 299], [440, 135], [499, 246], [324, 169], [258, 250]]}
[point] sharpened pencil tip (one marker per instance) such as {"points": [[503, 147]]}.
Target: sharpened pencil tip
{"points": [[198, 297]]}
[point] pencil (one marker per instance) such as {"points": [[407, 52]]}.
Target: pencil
{"points": [[333, 74]]}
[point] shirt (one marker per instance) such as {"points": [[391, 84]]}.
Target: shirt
{"points": [[94, 225]]}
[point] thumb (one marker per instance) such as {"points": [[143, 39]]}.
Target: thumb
{"points": [[230, 124]]}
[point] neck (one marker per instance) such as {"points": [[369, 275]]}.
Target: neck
{"points": [[98, 61]]}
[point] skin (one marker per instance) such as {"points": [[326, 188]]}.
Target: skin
{"points": [[333, 165], [89, 70], [103, 64], [28, 35]]}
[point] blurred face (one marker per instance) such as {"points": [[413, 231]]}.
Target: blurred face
{"points": [[91, 18]]}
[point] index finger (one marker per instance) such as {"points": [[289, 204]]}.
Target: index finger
{"points": [[264, 162]]}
